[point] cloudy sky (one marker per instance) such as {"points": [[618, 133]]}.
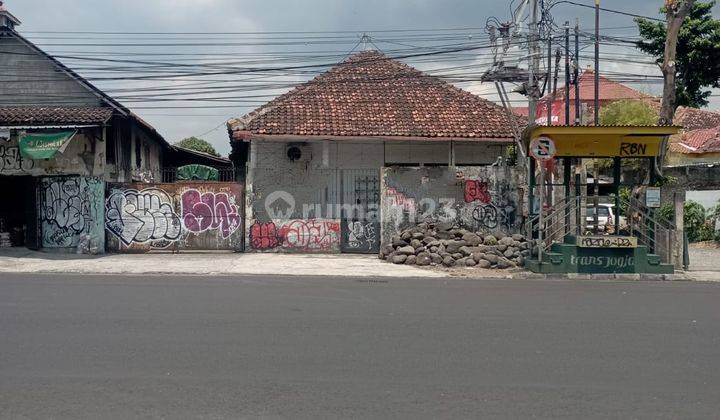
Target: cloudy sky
{"points": [[48, 24]]}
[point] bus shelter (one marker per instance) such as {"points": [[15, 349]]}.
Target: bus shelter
{"points": [[579, 230]]}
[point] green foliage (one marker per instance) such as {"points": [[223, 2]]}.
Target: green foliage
{"points": [[625, 197], [696, 222], [665, 180], [666, 212], [511, 155], [698, 52], [628, 112], [197, 144]]}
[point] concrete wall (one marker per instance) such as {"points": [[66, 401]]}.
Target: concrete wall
{"points": [[301, 205], [30, 79], [372, 154], [690, 178], [180, 216], [71, 210], [79, 158], [477, 198], [681, 159]]}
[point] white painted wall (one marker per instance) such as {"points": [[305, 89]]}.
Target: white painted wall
{"points": [[356, 155]]}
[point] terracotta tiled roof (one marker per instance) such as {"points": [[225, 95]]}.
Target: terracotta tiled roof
{"points": [[704, 140], [694, 118], [610, 90], [369, 95], [54, 115]]}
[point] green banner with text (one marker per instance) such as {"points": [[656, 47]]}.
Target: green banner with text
{"points": [[44, 145]]}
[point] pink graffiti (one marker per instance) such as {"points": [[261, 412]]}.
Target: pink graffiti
{"points": [[477, 191], [310, 234], [209, 211], [398, 199]]}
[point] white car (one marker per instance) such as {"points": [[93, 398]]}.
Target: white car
{"points": [[606, 217]]}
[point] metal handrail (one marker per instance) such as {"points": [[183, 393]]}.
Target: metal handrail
{"points": [[651, 229]]}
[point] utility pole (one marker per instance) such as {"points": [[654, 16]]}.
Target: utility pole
{"points": [[578, 103], [677, 11], [534, 64], [547, 84], [567, 73], [597, 62]]}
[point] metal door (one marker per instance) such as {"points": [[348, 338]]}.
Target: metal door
{"points": [[360, 225]]}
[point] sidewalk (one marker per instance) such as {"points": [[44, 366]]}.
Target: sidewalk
{"points": [[208, 263], [229, 264]]}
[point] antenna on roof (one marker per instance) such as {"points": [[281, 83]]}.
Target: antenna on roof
{"points": [[7, 20], [366, 41]]}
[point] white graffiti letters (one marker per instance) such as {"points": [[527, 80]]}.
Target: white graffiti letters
{"points": [[361, 235], [142, 216], [12, 161], [68, 209]]}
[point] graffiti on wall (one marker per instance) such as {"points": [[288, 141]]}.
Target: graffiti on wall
{"points": [[361, 236], [299, 235], [492, 208], [70, 209], [476, 190], [146, 216], [264, 236], [183, 216], [11, 160], [202, 212], [397, 199]]}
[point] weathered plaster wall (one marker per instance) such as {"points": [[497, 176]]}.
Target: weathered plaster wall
{"points": [[311, 195], [71, 209], [180, 216], [477, 198], [690, 178], [77, 159], [680, 159]]}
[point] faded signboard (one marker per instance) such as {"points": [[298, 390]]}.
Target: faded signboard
{"points": [[190, 216]]}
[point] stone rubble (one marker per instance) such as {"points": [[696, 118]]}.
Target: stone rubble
{"points": [[445, 244]]}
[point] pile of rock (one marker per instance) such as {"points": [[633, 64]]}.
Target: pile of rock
{"points": [[446, 244]]}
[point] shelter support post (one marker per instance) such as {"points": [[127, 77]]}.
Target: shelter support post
{"points": [[617, 165], [567, 172], [679, 245]]}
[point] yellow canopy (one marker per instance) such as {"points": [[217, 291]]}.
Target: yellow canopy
{"points": [[606, 141]]}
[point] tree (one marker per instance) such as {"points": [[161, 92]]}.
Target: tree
{"points": [[197, 144], [696, 222], [696, 65], [628, 112]]}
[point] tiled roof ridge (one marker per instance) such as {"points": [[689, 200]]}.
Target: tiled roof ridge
{"points": [[418, 104]]}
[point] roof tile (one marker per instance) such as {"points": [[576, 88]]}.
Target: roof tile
{"points": [[54, 115], [370, 94]]}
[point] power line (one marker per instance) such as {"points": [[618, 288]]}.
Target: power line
{"points": [[619, 12]]}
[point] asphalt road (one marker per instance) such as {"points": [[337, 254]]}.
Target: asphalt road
{"points": [[186, 347]]}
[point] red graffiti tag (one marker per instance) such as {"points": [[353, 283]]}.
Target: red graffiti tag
{"points": [[310, 234], [477, 191], [264, 236], [209, 211]]}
